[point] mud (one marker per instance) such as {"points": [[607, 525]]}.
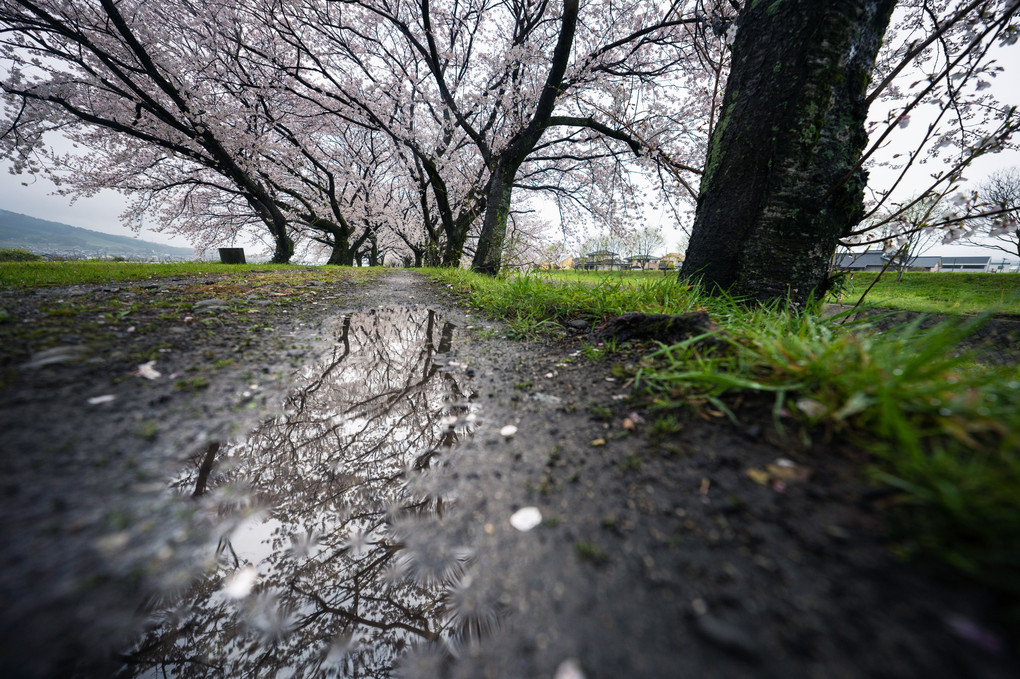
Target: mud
{"points": [[346, 511]]}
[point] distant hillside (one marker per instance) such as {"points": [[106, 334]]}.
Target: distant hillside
{"points": [[53, 238]]}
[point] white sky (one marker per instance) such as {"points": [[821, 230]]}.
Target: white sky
{"points": [[99, 213]]}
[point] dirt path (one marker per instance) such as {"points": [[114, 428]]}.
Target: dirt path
{"points": [[364, 527]]}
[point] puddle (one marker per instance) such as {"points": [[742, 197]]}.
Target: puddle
{"points": [[330, 561]]}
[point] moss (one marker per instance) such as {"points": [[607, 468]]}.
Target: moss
{"points": [[590, 552], [714, 147]]}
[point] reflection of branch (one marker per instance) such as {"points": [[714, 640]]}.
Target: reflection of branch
{"points": [[353, 617], [206, 468], [336, 465]]}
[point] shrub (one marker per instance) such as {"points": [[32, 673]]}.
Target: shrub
{"points": [[18, 255]]}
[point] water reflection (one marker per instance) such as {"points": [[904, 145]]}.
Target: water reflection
{"points": [[330, 562]]}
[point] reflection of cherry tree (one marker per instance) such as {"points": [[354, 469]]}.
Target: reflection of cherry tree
{"points": [[335, 570]]}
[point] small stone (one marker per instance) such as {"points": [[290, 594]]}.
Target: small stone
{"points": [[726, 636], [56, 355], [213, 303]]}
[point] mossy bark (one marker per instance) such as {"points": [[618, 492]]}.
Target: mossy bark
{"points": [[781, 184], [489, 253]]}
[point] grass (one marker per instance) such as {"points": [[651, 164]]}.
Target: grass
{"points": [[96, 320], [18, 255], [944, 293], [530, 304], [27, 274], [942, 429]]}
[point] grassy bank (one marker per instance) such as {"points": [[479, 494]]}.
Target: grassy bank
{"points": [[27, 274], [943, 431], [944, 293], [129, 302]]}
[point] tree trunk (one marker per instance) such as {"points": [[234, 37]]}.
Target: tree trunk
{"points": [[340, 254], [781, 184], [373, 254], [284, 245], [489, 255], [457, 236]]}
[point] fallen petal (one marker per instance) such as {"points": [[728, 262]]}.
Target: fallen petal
{"points": [[811, 407], [569, 669], [105, 398], [759, 476], [508, 431], [970, 631], [148, 371], [526, 518]]}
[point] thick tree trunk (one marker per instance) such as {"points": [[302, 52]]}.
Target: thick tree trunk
{"points": [[454, 249], [373, 254], [277, 224], [489, 254], [457, 236], [780, 184], [340, 255]]}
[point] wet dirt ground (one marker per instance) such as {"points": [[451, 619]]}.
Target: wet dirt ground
{"points": [[343, 496]]}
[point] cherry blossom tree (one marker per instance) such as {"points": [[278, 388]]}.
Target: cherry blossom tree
{"points": [[470, 91], [933, 104], [254, 104], [642, 244], [786, 176], [1001, 191], [149, 72]]}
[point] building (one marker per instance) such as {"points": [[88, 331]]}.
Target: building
{"points": [[641, 262], [671, 261], [972, 264], [877, 260], [601, 260]]}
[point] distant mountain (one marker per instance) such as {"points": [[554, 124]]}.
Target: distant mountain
{"points": [[53, 238]]}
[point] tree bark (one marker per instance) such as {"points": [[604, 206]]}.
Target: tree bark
{"points": [[489, 254], [782, 182]]}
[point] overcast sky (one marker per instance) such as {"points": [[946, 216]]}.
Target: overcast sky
{"points": [[33, 196]]}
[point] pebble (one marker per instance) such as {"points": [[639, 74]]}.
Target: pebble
{"points": [[61, 354], [727, 636], [213, 303]]}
